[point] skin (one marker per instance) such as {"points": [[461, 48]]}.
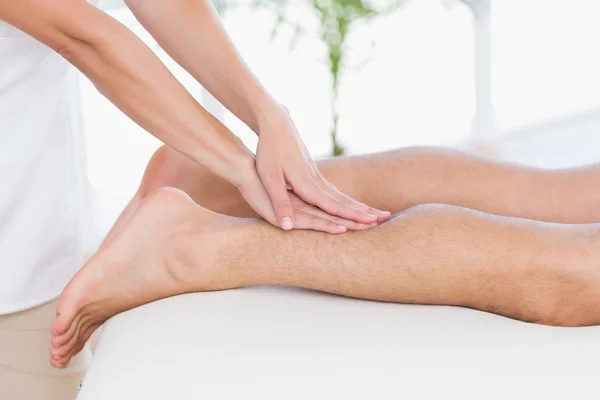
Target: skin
{"points": [[129, 74], [409, 177], [282, 160], [428, 254]]}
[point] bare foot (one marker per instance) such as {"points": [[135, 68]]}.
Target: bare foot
{"points": [[143, 262]]}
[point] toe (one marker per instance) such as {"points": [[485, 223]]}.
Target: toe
{"points": [[61, 324], [58, 341], [62, 339], [66, 344], [83, 339], [74, 351], [64, 353], [70, 305], [58, 327], [60, 360], [56, 363]]}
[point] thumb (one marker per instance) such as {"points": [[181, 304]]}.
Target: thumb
{"points": [[255, 194], [277, 189]]}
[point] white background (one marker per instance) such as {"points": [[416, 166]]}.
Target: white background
{"points": [[418, 87]]}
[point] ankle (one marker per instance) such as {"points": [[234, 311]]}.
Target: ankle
{"points": [[210, 255]]}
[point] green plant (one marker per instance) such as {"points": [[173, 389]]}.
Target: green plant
{"points": [[336, 20]]}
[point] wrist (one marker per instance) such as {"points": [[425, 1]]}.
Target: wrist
{"points": [[242, 169], [269, 113]]}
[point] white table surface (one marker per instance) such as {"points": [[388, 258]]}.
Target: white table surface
{"points": [[276, 343]]}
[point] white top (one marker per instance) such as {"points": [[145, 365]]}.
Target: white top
{"points": [[42, 174]]}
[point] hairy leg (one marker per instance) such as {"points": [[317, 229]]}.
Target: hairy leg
{"points": [[399, 179], [430, 254]]}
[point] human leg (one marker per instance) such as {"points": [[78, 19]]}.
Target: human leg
{"points": [[431, 254], [398, 179]]}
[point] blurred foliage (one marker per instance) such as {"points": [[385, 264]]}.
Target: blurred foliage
{"points": [[336, 20]]}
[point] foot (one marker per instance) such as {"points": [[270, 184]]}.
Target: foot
{"points": [[143, 262]]}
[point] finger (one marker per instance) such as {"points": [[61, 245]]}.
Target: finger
{"points": [[255, 194], [319, 196], [351, 225], [382, 216], [312, 222], [276, 188]]}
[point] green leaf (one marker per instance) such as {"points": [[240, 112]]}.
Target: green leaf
{"points": [[336, 20]]}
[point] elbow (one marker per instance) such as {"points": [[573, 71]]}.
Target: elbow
{"points": [[68, 50], [73, 50], [85, 49]]}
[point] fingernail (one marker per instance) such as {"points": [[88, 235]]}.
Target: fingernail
{"points": [[342, 228], [56, 357], [287, 224], [387, 213], [371, 216]]}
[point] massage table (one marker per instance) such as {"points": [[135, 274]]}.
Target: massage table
{"points": [[281, 343]]}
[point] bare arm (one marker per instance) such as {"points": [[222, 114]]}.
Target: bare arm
{"points": [[191, 33], [133, 78]]}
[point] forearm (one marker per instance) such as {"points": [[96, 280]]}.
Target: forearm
{"points": [[134, 79], [191, 33]]}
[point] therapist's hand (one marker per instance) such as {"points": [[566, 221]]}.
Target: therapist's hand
{"points": [[307, 217], [284, 165]]}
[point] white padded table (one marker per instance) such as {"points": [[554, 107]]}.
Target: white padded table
{"points": [[277, 343]]}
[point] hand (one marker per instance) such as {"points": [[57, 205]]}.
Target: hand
{"points": [[313, 218], [306, 216], [283, 163]]}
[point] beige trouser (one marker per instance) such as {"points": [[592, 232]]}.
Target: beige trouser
{"points": [[25, 370]]}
